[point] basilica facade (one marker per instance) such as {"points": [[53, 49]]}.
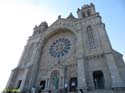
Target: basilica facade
{"points": [[71, 55]]}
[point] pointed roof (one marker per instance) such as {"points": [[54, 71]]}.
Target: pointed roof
{"points": [[71, 17]]}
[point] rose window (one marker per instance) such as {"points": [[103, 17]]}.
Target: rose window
{"points": [[60, 47]]}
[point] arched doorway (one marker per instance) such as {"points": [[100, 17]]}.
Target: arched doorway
{"points": [[98, 79], [73, 84], [54, 79]]}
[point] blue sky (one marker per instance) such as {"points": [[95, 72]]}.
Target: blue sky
{"points": [[112, 12], [18, 18]]}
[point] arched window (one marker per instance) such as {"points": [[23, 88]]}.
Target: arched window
{"points": [[98, 79], [88, 13], [83, 14], [91, 40]]}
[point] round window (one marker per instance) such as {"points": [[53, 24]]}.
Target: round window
{"points": [[60, 47]]}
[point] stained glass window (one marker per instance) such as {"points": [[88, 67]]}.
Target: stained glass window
{"points": [[90, 37], [59, 47]]}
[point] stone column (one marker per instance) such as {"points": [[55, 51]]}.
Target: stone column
{"points": [[47, 83], [80, 63], [35, 60], [115, 76], [81, 74], [23, 56], [10, 81], [25, 72]]}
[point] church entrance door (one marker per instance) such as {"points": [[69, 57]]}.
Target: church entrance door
{"points": [[54, 80], [98, 79]]}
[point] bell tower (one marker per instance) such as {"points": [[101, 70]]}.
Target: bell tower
{"points": [[86, 11]]}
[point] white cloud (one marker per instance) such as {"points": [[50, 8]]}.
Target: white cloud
{"points": [[16, 23]]}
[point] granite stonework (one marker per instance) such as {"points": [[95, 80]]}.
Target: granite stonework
{"points": [[64, 57]]}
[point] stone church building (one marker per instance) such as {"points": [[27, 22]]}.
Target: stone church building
{"points": [[73, 55]]}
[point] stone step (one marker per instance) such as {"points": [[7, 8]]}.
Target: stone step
{"points": [[94, 91], [105, 91]]}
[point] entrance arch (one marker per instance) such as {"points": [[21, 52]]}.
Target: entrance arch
{"points": [[54, 79], [98, 79]]}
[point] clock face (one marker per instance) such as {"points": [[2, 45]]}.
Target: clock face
{"points": [[60, 47]]}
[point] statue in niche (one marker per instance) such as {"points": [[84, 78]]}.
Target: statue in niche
{"points": [[55, 80]]}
